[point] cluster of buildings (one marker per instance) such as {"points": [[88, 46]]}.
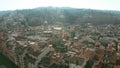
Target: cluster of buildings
{"points": [[60, 46]]}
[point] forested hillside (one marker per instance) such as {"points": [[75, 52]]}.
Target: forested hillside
{"points": [[53, 15]]}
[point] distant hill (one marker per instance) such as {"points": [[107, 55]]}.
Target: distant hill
{"points": [[2, 13], [65, 15]]}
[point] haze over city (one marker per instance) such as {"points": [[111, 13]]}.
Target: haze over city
{"points": [[59, 34], [89, 4]]}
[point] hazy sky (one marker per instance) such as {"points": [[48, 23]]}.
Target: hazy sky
{"points": [[92, 4]]}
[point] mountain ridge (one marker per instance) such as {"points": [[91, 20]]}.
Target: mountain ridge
{"points": [[65, 15]]}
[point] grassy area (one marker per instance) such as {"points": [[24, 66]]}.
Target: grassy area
{"points": [[6, 62]]}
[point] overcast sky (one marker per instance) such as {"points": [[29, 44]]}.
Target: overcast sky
{"points": [[90, 4]]}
